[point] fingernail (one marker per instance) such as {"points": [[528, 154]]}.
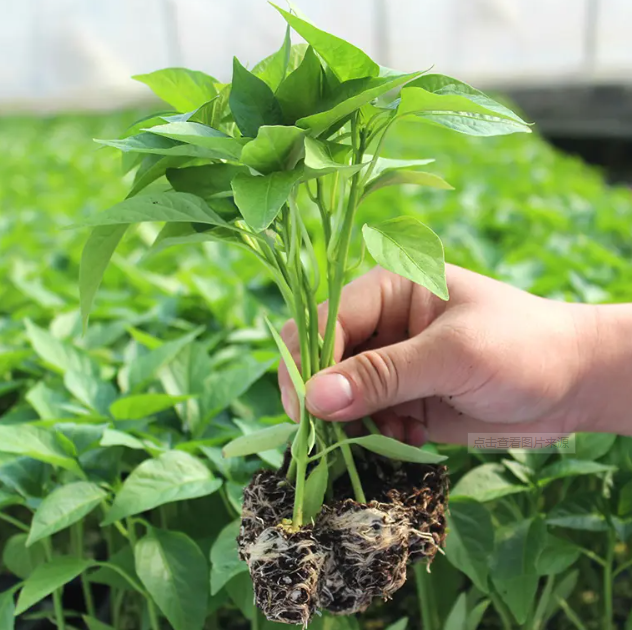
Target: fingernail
{"points": [[290, 402], [329, 393]]}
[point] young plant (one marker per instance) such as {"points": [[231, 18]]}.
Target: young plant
{"points": [[249, 163]]}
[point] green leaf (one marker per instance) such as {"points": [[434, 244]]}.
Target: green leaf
{"points": [[7, 610], [123, 560], [112, 437], [168, 206], [225, 562], [401, 176], [383, 165], [447, 86], [273, 456], [252, 102], [8, 498], [220, 388], [402, 624], [487, 483], [144, 368], [93, 392], [570, 468], [48, 578], [344, 59], [592, 446], [258, 441], [276, 148], [295, 375], [222, 145], [183, 89], [457, 619], [513, 569], [315, 489], [173, 476], [95, 258], [59, 354], [49, 403], [24, 475], [211, 182], [394, 449], [476, 615], [153, 167], [260, 198], [363, 91], [578, 512], [36, 442], [20, 559], [457, 112], [625, 500], [63, 507], [557, 555], [273, 68], [175, 573], [322, 158], [409, 248], [299, 95], [143, 405], [95, 624], [470, 540], [153, 143]]}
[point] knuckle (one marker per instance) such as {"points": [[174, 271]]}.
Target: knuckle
{"points": [[379, 377]]}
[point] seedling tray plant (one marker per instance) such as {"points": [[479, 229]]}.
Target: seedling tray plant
{"points": [[246, 163]]}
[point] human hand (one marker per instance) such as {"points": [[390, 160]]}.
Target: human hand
{"points": [[491, 359]]}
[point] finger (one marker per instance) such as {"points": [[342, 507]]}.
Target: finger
{"points": [[390, 425], [426, 365]]}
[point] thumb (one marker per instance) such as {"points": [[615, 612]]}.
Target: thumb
{"points": [[379, 379]]}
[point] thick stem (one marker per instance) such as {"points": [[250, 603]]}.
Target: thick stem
{"points": [[347, 455], [58, 605], [76, 534], [607, 583], [15, 522]]}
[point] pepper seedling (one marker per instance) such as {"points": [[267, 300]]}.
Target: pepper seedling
{"points": [[305, 130]]}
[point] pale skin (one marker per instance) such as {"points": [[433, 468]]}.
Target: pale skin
{"points": [[491, 359]]}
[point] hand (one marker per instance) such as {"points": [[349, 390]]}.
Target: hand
{"points": [[491, 359]]}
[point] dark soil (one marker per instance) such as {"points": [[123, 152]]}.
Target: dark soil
{"points": [[354, 552]]}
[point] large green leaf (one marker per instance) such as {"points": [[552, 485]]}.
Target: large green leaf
{"points": [[260, 198], [457, 112], [93, 392], [143, 405], [470, 540], [579, 512], [252, 102], [168, 206], [152, 167], [322, 158], [592, 446], [263, 440], [63, 507], [362, 91], [42, 444], [175, 573], [276, 148], [202, 136], [95, 258], [20, 559], [7, 609], [24, 475], [315, 489], [513, 567], [211, 182], [557, 555], [486, 483], [299, 95], [409, 248], [225, 562], [397, 177], [48, 578], [60, 354], [155, 144], [394, 449], [344, 59], [184, 89], [173, 476], [273, 68], [567, 467]]}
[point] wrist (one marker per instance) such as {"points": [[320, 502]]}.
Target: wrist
{"points": [[603, 398]]}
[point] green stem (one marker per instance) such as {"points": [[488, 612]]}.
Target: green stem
{"points": [[117, 605], [593, 556], [607, 583], [622, 567], [347, 455], [543, 604], [570, 614], [14, 521], [153, 614], [427, 611], [58, 606], [254, 622], [76, 534]]}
